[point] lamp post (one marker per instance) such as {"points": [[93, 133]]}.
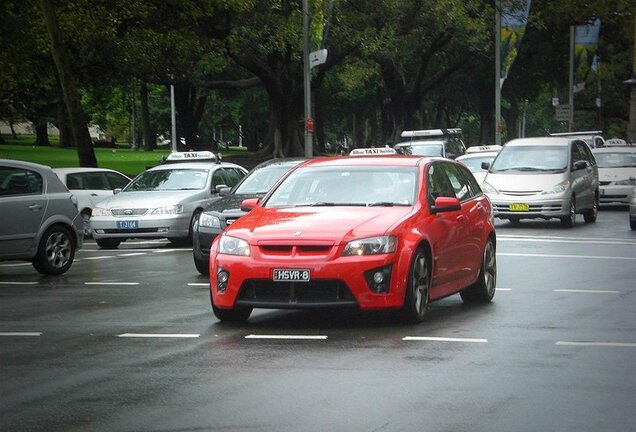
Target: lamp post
{"points": [[307, 82], [173, 120]]}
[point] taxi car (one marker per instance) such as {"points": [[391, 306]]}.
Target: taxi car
{"points": [[223, 212], [40, 219], [617, 173], [447, 143], [90, 186], [544, 178], [475, 158], [367, 232], [164, 201]]}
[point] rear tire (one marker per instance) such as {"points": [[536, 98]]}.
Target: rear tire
{"points": [[232, 315], [108, 243], [590, 215], [417, 293], [56, 251], [483, 290]]}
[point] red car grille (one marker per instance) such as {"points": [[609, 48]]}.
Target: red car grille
{"points": [[316, 293], [313, 250]]}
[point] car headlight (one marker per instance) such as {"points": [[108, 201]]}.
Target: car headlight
{"points": [[100, 211], [557, 189], [370, 246], [173, 209], [210, 221], [233, 246], [627, 182], [488, 189]]}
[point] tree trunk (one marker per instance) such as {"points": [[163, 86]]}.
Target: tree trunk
{"points": [[69, 87], [63, 125], [150, 133], [13, 134], [41, 134], [190, 107]]}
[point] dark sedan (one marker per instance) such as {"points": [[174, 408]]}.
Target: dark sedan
{"points": [[221, 213]]}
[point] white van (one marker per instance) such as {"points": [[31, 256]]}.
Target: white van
{"points": [[543, 178]]}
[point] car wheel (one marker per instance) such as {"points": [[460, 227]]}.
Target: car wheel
{"points": [[590, 215], [203, 266], [108, 243], [232, 315], [86, 219], [632, 224], [418, 289], [569, 220], [483, 290], [56, 251]]}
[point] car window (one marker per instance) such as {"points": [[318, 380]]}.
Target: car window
{"points": [[529, 158], [116, 180], [578, 153], [169, 179], [616, 160], [233, 176], [18, 181], [438, 184], [459, 181], [219, 178], [454, 148], [434, 149], [262, 179], [87, 180]]}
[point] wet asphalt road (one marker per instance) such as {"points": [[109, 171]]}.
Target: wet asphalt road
{"points": [[126, 341]]}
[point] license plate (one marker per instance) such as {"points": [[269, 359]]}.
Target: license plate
{"points": [[128, 224], [291, 275], [520, 207]]}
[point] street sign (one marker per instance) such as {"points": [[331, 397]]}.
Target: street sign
{"points": [[310, 125], [317, 57], [562, 112]]}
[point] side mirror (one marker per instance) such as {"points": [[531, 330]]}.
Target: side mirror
{"points": [[581, 164], [249, 204], [485, 166], [116, 191], [224, 191], [218, 188], [446, 204]]}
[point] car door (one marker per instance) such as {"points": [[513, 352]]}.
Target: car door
{"points": [[23, 205], [444, 229], [583, 179]]}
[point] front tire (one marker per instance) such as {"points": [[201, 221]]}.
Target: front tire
{"points": [[569, 220], [203, 266], [232, 315], [418, 290], [590, 215], [56, 251], [483, 290], [108, 243]]}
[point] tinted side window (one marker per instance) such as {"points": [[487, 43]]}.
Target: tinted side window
{"points": [[218, 178], [18, 181], [578, 153], [233, 176], [438, 184], [116, 180], [458, 181]]}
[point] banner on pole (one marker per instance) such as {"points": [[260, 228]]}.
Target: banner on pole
{"points": [[514, 18], [586, 60]]}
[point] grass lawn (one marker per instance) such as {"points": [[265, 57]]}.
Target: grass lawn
{"points": [[123, 159]]}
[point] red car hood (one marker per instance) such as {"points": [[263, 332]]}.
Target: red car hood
{"points": [[317, 224]]}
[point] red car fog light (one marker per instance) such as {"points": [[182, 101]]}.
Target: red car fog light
{"points": [[221, 280], [379, 279]]}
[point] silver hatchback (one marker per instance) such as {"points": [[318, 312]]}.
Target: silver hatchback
{"points": [[544, 178], [40, 219]]}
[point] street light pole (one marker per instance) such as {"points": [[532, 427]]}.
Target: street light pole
{"points": [[307, 80], [173, 119], [498, 73]]}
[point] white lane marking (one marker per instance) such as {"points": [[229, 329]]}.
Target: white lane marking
{"points": [[15, 265], [198, 284], [287, 337], [21, 334], [19, 283], [587, 291], [169, 250], [567, 256], [590, 240], [112, 283], [100, 257], [503, 289], [132, 254], [158, 335], [598, 344], [443, 339]]}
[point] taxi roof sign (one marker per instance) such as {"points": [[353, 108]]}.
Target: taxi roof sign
{"points": [[191, 156], [430, 132], [372, 151], [484, 148]]}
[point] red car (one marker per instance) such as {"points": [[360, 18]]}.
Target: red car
{"points": [[368, 232]]}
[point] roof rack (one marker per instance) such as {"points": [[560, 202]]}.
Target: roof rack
{"points": [[430, 132], [596, 132]]}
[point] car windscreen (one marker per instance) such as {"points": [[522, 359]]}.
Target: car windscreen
{"points": [[474, 162], [261, 180], [433, 149], [616, 160], [347, 186], [529, 158], [169, 180]]}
